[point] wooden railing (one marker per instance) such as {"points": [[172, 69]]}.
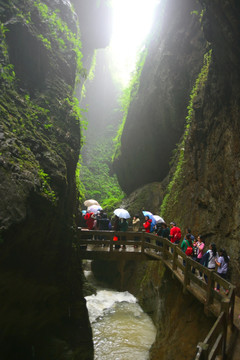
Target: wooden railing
{"points": [[221, 304]]}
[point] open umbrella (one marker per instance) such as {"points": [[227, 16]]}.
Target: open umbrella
{"points": [[122, 213], [90, 202], [147, 213], [94, 208], [158, 219], [150, 215]]}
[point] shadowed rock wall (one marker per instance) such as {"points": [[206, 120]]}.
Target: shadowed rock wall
{"points": [[43, 312], [156, 116], [207, 195], [205, 192]]}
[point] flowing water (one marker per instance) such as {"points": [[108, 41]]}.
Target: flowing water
{"points": [[121, 330]]}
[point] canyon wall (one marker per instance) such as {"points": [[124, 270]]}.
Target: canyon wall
{"points": [[43, 311], [156, 116], [205, 193], [189, 102]]}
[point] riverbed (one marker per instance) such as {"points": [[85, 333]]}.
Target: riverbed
{"points": [[121, 330]]}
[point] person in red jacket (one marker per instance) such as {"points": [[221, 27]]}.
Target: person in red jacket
{"points": [[89, 220], [175, 233], [147, 224]]}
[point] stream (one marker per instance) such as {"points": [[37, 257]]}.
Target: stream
{"points": [[121, 330]]}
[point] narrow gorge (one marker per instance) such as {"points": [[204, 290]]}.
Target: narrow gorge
{"points": [[173, 149]]}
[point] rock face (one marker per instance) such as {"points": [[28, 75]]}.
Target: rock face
{"points": [[207, 194], [156, 117], [203, 191], [95, 19], [43, 312], [148, 197]]}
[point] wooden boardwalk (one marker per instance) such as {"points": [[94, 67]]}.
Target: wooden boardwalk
{"points": [[100, 245]]}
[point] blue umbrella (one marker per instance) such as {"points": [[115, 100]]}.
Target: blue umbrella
{"points": [[150, 215]]}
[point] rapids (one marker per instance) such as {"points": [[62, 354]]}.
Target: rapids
{"points": [[121, 330]]}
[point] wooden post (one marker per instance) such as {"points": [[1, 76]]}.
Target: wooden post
{"points": [[203, 351], [142, 242], [175, 255], [186, 280], [210, 286], [111, 243], [165, 249], [232, 304], [225, 308]]}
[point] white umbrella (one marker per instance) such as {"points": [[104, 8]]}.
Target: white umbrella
{"points": [[122, 213], [94, 208], [158, 219], [90, 202]]}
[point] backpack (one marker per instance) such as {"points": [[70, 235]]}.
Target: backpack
{"points": [[178, 235], [189, 251], [152, 227]]}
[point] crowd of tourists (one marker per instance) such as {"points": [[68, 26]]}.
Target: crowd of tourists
{"points": [[192, 246]]}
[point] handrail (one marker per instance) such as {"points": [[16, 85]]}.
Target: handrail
{"points": [[215, 342]]}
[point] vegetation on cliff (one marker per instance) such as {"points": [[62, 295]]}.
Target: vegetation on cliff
{"points": [[28, 116], [174, 186], [100, 98], [95, 178], [42, 307]]}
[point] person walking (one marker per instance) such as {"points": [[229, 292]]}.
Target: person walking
{"points": [[175, 233], [200, 245], [123, 227], [186, 242], [136, 223], [103, 224], [116, 227], [147, 226], [209, 258], [159, 232], [165, 231], [89, 218], [186, 246], [222, 266], [194, 253], [136, 227]]}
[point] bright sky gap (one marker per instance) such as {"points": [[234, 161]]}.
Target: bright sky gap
{"points": [[132, 21]]}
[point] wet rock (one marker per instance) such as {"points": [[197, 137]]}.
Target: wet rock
{"points": [[156, 116]]}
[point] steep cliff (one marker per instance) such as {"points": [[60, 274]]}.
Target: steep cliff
{"points": [[43, 312], [190, 103], [95, 18], [156, 116], [204, 193]]}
